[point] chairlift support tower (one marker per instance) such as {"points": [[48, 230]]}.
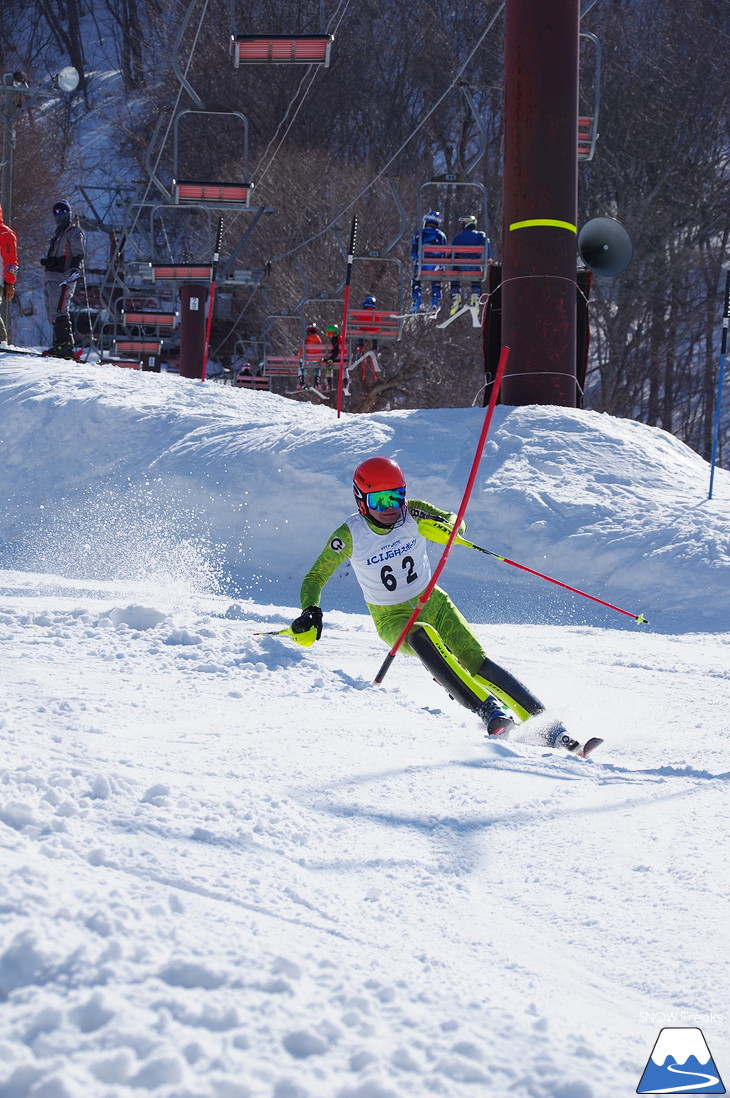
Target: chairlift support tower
{"points": [[540, 201]]}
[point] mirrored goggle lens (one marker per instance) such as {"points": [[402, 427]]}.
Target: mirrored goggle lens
{"points": [[383, 501], [60, 211]]}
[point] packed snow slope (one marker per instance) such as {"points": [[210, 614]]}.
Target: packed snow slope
{"points": [[233, 868]]}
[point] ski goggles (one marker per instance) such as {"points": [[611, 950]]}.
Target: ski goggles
{"points": [[387, 499], [61, 211]]}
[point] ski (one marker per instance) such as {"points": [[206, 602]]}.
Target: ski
{"points": [[551, 732], [560, 738], [18, 351], [590, 746], [43, 354]]}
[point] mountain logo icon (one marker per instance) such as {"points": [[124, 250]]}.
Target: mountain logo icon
{"points": [[680, 1063]]}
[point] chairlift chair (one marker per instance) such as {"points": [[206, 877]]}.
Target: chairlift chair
{"points": [[447, 262], [281, 49], [216, 194], [588, 123]]}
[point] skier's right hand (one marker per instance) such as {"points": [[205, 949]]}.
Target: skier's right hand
{"points": [[307, 628]]}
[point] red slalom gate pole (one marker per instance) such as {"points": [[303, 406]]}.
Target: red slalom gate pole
{"points": [[343, 333], [423, 599], [214, 274]]}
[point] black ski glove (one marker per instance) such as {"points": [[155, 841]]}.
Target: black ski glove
{"points": [[311, 618]]}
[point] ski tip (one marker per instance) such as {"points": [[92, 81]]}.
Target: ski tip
{"points": [[589, 747]]}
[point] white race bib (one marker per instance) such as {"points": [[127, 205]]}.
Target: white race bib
{"points": [[390, 567]]}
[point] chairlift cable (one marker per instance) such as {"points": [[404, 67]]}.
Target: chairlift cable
{"points": [[130, 229], [394, 157], [332, 224], [311, 74]]}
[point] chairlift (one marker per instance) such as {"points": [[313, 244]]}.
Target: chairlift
{"points": [[281, 49], [378, 324], [290, 365], [216, 194], [148, 318], [588, 123], [445, 262], [182, 272]]}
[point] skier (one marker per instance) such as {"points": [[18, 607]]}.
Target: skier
{"points": [[368, 303], [430, 234], [333, 355], [386, 542], [63, 263], [472, 237], [9, 268], [312, 340]]}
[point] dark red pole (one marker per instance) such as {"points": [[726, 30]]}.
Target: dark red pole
{"points": [[345, 304], [193, 298], [540, 201]]}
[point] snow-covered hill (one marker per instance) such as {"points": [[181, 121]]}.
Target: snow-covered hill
{"points": [[232, 868]]}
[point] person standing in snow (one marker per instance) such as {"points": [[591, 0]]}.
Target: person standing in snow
{"points": [[8, 268], [63, 264], [386, 541]]}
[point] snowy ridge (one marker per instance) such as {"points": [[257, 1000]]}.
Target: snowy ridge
{"points": [[609, 506], [233, 868]]}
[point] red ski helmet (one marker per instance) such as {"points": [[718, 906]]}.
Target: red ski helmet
{"points": [[377, 474]]}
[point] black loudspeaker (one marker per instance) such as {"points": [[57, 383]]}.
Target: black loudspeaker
{"points": [[605, 246]]}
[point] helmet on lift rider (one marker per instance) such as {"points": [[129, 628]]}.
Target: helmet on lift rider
{"points": [[332, 329], [433, 217], [469, 221], [311, 328], [369, 302], [379, 487]]}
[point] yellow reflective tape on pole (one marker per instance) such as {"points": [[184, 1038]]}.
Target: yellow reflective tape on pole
{"points": [[544, 221]]}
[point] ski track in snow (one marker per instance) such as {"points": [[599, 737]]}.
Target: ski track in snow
{"points": [[233, 868]]}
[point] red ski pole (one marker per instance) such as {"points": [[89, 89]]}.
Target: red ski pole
{"points": [[439, 532], [343, 335], [214, 274]]}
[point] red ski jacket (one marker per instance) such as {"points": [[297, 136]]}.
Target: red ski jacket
{"points": [[8, 252]]}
